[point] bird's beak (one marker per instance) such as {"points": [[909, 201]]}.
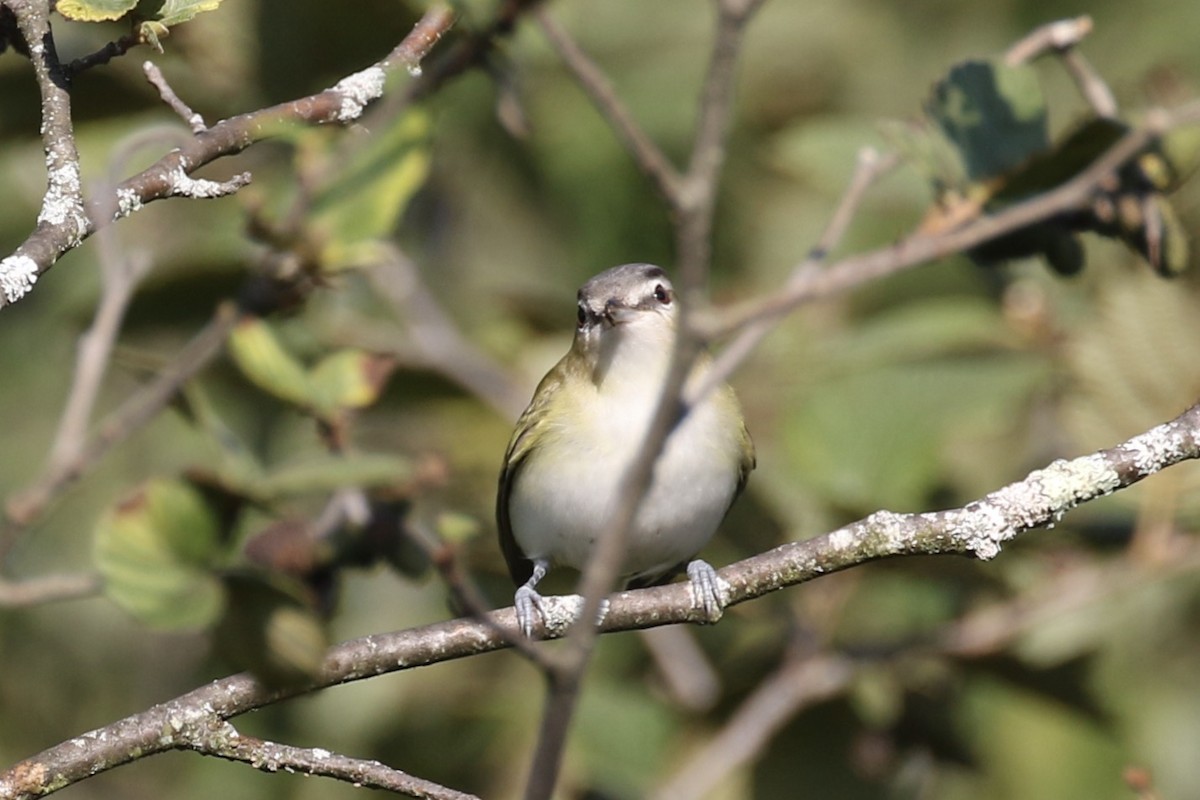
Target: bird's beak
{"points": [[617, 314]]}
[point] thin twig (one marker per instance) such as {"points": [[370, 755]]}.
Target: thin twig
{"points": [[1063, 37], [121, 270], [869, 168], [648, 156], [113, 49], [47, 589], [920, 248], [173, 101], [438, 340], [223, 741], [696, 202], [23, 508]]}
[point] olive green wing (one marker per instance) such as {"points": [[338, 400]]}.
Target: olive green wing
{"points": [[531, 423]]}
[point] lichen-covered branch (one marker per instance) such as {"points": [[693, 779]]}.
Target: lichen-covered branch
{"points": [[979, 529], [63, 223]]}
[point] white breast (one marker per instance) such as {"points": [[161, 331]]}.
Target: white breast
{"points": [[566, 492]]}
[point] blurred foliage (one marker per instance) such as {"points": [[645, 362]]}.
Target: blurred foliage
{"points": [[288, 497]]}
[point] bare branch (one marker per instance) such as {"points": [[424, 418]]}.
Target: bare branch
{"points": [[649, 158], [754, 319], [117, 47], [799, 682], [978, 529], [63, 225], [696, 202], [1062, 38], [215, 737], [62, 213], [693, 199], [48, 588], [159, 82], [437, 339], [870, 167], [25, 506]]}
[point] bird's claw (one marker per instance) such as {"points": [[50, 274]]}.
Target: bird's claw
{"points": [[707, 594], [530, 607]]}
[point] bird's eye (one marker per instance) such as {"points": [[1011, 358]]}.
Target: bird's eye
{"points": [[581, 317], [662, 294]]}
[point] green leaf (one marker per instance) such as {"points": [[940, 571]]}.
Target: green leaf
{"points": [[364, 204], [155, 551], [334, 472], [261, 358], [995, 114], [173, 12], [349, 379], [94, 10]]}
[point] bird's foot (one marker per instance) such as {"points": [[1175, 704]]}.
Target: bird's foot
{"points": [[555, 613], [709, 592], [529, 606]]}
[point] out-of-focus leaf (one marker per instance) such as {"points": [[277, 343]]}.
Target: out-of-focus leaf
{"points": [[876, 437], [333, 472], [363, 205], [916, 331], [457, 528], [994, 113], [623, 737], [877, 697], [1134, 362], [173, 12], [270, 630], [262, 359], [155, 551], [1054, 166], [1065, 682], [94, 10], [349, 379]]}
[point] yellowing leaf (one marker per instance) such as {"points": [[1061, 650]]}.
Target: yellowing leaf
{"points": [[365, 202], [349, 379], [262, 359], [95, 10]]}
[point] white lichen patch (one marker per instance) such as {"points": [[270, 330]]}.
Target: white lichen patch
{"points": [[18, 274], [184, 185], [840, 539], [982, 529], [62, 204], [357, 91], [1154, 448], [128, 202], [889, 529], [559, 612]]}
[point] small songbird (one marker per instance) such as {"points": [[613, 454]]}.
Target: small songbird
{"points": [[582, 430]]}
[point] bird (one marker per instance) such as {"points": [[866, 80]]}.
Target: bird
{"points": [[564, 463]]}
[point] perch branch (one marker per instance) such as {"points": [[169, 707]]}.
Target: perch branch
{"points": [[979, 529]]}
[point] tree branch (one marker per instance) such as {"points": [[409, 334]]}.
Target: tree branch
{"points": [[979, 529], [63, 225]]}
